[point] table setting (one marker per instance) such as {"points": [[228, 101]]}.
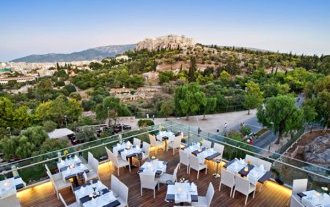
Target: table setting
{"points": [[95, 194], [155, 165], [313, 198], [182, 192]]}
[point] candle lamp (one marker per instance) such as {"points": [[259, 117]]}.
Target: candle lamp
{"points": [[246, 169]]}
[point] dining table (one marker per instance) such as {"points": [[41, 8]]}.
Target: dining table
{"points": [[94, 194], [253, 173], [71, 168], [182, 192], [312, 198], [154, 165]]}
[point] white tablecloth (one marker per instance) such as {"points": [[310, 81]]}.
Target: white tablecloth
{"points": [[193, 147], [130, 152], [170, 135], [202, 155], [74, 171], [88, 189], [236, 166], [69, 162], [256, 173], [182, 191], [101, 200], [154, 165], [315, 199], [7, 188]]}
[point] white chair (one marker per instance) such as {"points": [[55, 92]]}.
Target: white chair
{"points": [[175, 144], [243, 186], [10, 201], [136, 142], [146, 150], [114, 185], [117, 162], [184, 159], [75, 204], [93, 165], [206, 200], [295, 202], [253, 160], [227, 179], [207, 144], [57, 180], [219, 148], [119, 189], [194, 164], [267, 165], [157, 144], [169, 177], [148, 181], [298, 186]]}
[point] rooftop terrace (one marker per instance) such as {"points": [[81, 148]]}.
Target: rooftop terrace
{"points": [[39, 191]]}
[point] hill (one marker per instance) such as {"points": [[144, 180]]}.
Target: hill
{"points": [[97, 53]]}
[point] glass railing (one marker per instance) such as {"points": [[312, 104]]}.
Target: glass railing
{"points": [[284, 169], [32, 170]]}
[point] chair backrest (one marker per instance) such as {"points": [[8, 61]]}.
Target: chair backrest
{"points": [[184, 158], [137, 142], [115, 184], [193, 161], [62, 200], [95, 165], [177, 142], [147, 180], [219, 148], [267, 165], [252, 159], [227, 177], [207, 143], [119, 188], [209, 194], [299, 185], [242, 184], [90, 158], [123, 189], [175, 172], [152, 140], [146, 148], [112, 157]]}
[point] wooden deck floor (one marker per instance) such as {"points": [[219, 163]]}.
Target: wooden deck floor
{"points": [[271, 194]]}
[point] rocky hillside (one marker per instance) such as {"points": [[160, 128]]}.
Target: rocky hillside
{"points": [[97, 53], [166, 42]]}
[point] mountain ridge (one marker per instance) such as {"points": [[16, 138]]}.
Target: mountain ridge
{"points": [[96, 53]]}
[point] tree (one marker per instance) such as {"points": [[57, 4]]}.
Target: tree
{"points": [[309, 112], [35, 135], [167, 108], [8, 147], [62, 110], [111, 108], [25, 147], [49, 125], [281, 114], [224, 76], [192, 70], [53, 144], [210, 106], [189, 99], [253, 96], [322, 107]]}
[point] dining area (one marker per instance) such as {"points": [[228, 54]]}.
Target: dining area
{"points": [[138, 173]]}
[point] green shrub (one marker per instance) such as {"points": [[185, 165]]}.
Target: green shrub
{"points": [[145, 123]]}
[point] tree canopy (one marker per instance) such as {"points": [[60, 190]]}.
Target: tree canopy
{"points": [[280, 114]]}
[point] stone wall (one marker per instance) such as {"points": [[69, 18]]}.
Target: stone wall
{"points": [[166, 42]]}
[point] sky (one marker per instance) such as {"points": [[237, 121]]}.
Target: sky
{"points": [[62, 26]]}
